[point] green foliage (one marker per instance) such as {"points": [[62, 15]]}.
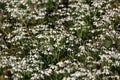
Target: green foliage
{"points": [[26, 75], [66, 39], [1, 71], [2, 5]]}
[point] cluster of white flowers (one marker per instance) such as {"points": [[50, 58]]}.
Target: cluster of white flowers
{"points": [[60, 39]]}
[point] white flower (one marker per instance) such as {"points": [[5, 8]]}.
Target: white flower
{"points": [[98, 72], [69, 78], [77, 74], [60, 64]]}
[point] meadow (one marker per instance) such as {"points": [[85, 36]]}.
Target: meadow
{"points": [[59, 40]]}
